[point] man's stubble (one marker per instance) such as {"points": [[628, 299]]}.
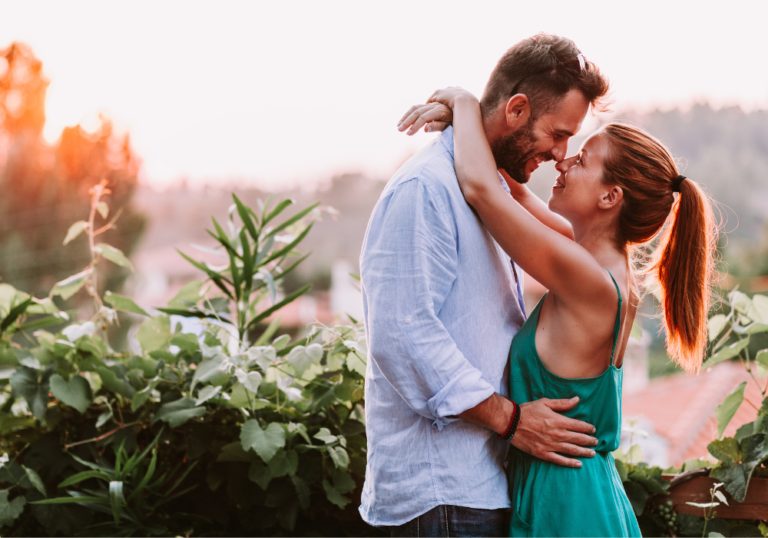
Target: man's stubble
{"points": [[513, 151]]}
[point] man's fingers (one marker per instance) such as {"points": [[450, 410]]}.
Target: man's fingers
{"points": [[578, 426], [573, 450], [560, 460], [580, 439], [562, 405]]}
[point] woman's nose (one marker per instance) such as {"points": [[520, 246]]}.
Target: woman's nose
{"points": [[565, 164]]}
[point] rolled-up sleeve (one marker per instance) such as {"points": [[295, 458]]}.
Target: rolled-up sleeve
{"points": [[408, 266]]}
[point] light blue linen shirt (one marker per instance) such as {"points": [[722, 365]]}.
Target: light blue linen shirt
{"points": [[440, 307]]}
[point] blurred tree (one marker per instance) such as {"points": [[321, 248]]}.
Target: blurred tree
{"points": [[45, 188]]}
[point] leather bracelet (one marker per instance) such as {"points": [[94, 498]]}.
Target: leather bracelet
{"points": [[512, 427]]}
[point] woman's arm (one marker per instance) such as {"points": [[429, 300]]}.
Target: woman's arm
{"points": [[559, 263], [536, 207], [436, 116]]}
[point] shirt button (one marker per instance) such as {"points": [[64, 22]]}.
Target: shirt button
{"points": [[407, 320]]}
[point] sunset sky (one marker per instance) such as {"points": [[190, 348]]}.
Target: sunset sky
{"points": [[280, 93]]}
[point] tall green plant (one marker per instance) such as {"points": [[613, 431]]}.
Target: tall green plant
{"points": [[248, 436]]}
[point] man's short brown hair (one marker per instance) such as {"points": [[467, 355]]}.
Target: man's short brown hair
{"points": [[544, 68]]}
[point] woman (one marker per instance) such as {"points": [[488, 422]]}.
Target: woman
{"points": [[617, 194]]}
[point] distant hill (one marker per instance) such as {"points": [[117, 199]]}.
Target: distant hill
{"points": [[725, 149]]}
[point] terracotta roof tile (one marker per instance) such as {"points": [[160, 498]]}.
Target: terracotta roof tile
{"points": [[682, 409]]}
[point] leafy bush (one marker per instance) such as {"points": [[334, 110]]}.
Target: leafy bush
{"points": [[217, 426], [741, 457]]}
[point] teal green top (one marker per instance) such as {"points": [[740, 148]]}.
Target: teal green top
{"points": [[550, 500]]}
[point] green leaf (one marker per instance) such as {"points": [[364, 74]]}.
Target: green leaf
{"points": [[189, 295], [339, 456], [287, 249], [206, 393], [250, 380], [715, 326], [728, 408], [650, 478], [103, 209], [265, 443], [637, 496], [727, 353], [34, 478], [126, 304], [285, 462], [10, 510], [115, 384], [637, 331], [736, 476], [24, 383], [343, 482], [289, 299], [154, 333], [356, 364], [75, 230], [760, 303], [75, 393], [334, 495], [70, 500], [141, 397], [260, 474], [302, 491], [234, 452], [187, 342], [216, 277], [725, 449], [114, 255], [762, 362], [116, 499], [247, 261], [147, 476], [178, 412], [297, 217], [325, 436], [15, 312], [245, 216], [301, 358], [621, 469], [210, 371], [69, 286], [278, 209], [85, 475]]}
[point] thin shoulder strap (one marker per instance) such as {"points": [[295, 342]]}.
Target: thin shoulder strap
{"points": [[617, 326]]}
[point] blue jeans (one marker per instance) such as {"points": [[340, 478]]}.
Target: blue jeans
{"points": [[449, 520]]}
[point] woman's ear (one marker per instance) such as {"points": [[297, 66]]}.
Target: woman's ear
{"points": [[611, 197], [517, 111]]}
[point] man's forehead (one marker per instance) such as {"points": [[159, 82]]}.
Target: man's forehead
{"points": [[569, 116]]}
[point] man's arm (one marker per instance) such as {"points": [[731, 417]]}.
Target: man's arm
{"points": [[542, 431], [408, 267]]}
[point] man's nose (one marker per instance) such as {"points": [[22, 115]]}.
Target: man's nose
{"points": [[560, 150]]}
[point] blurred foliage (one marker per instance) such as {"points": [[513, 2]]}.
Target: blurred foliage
{"points": [[218, 426], [45, 188]]}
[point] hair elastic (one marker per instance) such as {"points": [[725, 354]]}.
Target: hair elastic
{"points": [[677, 182]]}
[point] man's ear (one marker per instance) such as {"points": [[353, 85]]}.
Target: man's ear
{"points": [[611, 197], [517, 111]]}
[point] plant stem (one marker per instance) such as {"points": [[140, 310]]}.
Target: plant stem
{"points": [[101, 437]]}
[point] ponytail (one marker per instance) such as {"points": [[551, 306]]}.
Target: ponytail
{"points": [[681, 267]]}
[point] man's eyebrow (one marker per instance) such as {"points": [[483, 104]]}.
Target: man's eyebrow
{"points": [[564, 132]]}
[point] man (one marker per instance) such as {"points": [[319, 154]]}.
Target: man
{"points": [[441, 304]]}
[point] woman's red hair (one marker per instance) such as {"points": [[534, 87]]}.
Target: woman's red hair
{"points": [[681, 266]]}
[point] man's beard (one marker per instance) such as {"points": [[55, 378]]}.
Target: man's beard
{"points": [[513, 151]]}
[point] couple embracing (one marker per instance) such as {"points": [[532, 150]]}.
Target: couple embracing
{"points": [[483, 420]]}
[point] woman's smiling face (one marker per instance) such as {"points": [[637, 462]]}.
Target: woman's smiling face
{"points": [[579, 186]]}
